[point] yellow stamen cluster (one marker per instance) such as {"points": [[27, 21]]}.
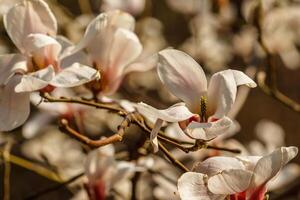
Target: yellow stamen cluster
{"points": [[203, 105]]}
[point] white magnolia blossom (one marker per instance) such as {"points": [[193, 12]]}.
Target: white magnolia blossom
{"points": [[104, 172], [112, 47], [32, 27], [204, 117], [243, 177]]}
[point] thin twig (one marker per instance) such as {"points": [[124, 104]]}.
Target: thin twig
{"points": [[111, 108], [172, 159], [117, 137]]}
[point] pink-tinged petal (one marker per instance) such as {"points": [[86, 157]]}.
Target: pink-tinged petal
{"points": [[230, 181], [268, 166], [222, 91], [183, 76], [31, 16], [215, 165], [154, 133], [75, 75], [208, 131], [132, 6], [43, 49], [10, 64], [97, 30], [193, 186], [142, 65], [36, 80], [125, 48], [14, 107], [176, 113]]}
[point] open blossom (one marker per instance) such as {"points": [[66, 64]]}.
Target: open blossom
{"points": [[112, 47], [204, 117], [32, 27], [242, 178]]}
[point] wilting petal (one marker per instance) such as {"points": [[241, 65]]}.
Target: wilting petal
{"points": [[10, 64], [176, 113], [36, 80], [222, 91], [268, 166], [153, 135], [32, 16], [215, 165], [183, 76], [193, 186], [230, 181], [75, 75], [43, 49], [14, 107], [208, 131]]}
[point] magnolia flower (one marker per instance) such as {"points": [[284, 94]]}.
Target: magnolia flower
{"points": [[103, 172], [112, 47], [204, 117], [31, 25], [234, 178]]}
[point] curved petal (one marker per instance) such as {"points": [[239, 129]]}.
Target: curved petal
{"points": [[208, 131], [75, 75], [176, 113], [44, 49], [32, 16], [14, 107], [101, 24], [268, 166], [154, 133], [183, 76], [193, 186], [215, 165], [36, 80], [230, 181], [222, 91], [10, 64], [125, 48]]}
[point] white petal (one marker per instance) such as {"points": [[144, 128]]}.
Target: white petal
{"points": [[230, 181], [102, 23], [75, 75], [42, 49], [176, 113], [125, 48], [215, 165], [142, 65], [154, 133], [268, 166], [10, 64], [14, 107], [222, 91], [208, 131], [36, 80], [193, 186], [32, 16], [183, 76]]}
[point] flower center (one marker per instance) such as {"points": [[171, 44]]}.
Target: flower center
{"points": [[203, 106]]}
